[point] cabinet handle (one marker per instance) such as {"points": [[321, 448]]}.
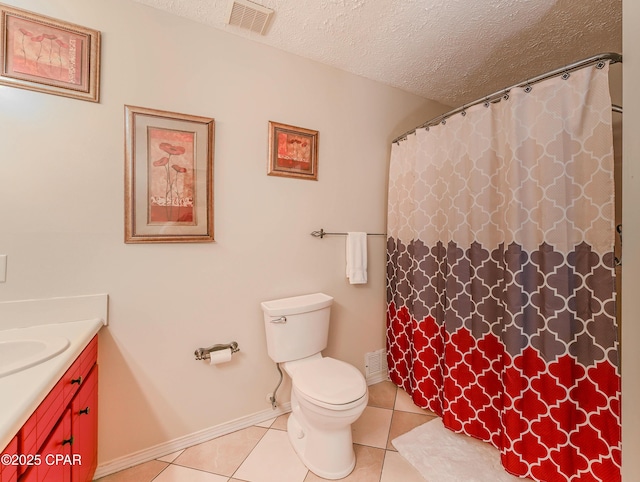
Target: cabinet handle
{"points": [[68, 441], [76, 380], [84, 411]]}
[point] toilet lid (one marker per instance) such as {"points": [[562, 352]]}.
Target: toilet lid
{"points": [[330, 381]]}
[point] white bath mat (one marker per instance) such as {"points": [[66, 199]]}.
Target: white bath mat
{"points": [[441, 455]]}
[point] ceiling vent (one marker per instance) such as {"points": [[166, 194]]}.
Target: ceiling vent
{"points": [[249, 15]]}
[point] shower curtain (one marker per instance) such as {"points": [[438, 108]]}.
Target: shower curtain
{"points": [[500, 277]]}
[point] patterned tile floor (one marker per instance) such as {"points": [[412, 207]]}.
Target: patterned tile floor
{"points": [[262, 453]]}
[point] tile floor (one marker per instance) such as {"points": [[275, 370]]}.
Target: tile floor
{"points": [[262, 453]]}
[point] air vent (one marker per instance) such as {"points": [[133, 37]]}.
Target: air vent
{"points": [[249, 15], [375, 364]]}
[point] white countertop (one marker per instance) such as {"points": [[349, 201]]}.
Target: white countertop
{"points": [[22, 392]]}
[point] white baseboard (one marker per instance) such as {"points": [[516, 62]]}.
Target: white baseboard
{"points": [[186, 441]]}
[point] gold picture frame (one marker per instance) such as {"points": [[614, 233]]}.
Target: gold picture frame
{"points": [[293, 151], [48, 55], [168, 177]]}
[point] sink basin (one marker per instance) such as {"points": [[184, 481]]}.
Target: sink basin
{"points": [[19, 353]]}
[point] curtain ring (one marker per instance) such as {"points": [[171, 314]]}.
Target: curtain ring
{"points": [[528, 89], [463, 113], [566, 75], [601, 64]]}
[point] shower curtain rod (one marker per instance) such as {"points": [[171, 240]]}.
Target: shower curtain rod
{"points": [[497, 96]]}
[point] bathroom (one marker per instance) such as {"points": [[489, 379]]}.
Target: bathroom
{"points": [[62, 215]]}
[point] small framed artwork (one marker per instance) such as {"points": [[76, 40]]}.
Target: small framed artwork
{"points": [[168, 177], [48, 55], [293, 151]]}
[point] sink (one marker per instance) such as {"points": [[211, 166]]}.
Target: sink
{"points": [[19, 353]]}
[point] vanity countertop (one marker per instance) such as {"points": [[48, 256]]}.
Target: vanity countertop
{"points": [[23, 391]]}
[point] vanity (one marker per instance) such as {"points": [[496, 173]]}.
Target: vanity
{"points": [[49, 399]]}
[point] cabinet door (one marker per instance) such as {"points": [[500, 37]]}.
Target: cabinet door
{"points": [[55, 455], [9, 471], [84, 425]]}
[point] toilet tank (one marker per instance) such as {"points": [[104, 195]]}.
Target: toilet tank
{"points": [[296, 327]]}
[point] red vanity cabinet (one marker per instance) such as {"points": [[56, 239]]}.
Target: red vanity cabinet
{"points": [[59, 441], [84, 421], [8, 472], [56, 447]]}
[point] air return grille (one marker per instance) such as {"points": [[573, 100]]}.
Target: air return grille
{"points": [[249, 15], [375, 364]]}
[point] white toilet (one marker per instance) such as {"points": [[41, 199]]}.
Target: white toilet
{"points": [[327, 395]]}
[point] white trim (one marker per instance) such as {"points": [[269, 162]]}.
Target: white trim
{"points": [[186, 441]]}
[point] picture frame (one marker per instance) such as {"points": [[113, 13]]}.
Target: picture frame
{"points": [[293, 151], [168, 177], [48, 55]]}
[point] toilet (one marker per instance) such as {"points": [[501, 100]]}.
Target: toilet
{"points": [[327, 395]]}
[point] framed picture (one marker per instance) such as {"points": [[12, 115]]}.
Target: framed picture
{"points": [[48, 55], [168, 177], [293, 151]]}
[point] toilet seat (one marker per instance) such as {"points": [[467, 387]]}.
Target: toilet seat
{"points": [[330, 383]]}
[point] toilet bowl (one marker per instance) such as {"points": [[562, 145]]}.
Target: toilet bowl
{"points": [[327, 395]]}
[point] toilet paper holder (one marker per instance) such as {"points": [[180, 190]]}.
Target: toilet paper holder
{"points": [[205, 353]]}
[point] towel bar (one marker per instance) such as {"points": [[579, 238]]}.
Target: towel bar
{"points": [[322, 233]]}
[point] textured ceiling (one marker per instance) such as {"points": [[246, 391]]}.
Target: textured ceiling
{"points": [[452, 51]]}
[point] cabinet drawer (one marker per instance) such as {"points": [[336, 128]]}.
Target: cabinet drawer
{"points": [[89, 357], [77, 372]]}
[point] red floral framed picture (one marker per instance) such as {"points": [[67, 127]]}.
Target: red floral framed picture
{"points": [[168, 177], [48, 55], [293, 151]]}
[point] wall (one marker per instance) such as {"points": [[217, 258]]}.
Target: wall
{"points": [[631, 256], [62, 204]]}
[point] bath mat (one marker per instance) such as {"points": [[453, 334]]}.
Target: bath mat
{"points": [[441, 455]]}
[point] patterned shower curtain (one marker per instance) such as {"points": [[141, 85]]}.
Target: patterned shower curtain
{"points": [[500, 266]]}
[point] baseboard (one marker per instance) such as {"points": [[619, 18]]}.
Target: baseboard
{"points": [[205, 435], [186, 441]]}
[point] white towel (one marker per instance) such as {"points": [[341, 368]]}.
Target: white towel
{"points": [[357, 258]]}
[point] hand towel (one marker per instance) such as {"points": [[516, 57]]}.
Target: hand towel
{"points": [[357, 258]]}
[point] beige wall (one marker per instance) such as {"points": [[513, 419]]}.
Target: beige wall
{"points": [[61, 215], [61, 212], [631, 256]]}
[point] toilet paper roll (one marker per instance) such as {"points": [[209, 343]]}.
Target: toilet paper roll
{"points": [[220, 356]]}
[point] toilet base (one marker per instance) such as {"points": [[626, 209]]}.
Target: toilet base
{"points": [[329, 456]]}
